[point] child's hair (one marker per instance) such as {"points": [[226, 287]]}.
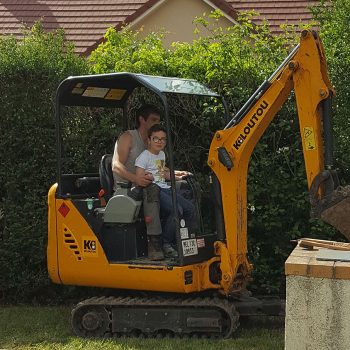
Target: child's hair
{"points": [[156, 128]]}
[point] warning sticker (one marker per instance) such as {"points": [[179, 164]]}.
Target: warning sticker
{"points": [[115, 94], [189, 247], [78, 89], [93, 91], [200, 243], [184, 232], [309, 138]]}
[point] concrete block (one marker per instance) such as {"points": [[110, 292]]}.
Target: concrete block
{"points": [[317, 303]]}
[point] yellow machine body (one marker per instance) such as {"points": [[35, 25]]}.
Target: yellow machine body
{"points": [[75, 257]]}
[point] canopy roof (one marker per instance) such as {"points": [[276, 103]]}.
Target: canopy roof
{"points": [[112, 90]]}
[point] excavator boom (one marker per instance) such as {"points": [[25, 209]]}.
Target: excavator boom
{"points": [[305, 72]]}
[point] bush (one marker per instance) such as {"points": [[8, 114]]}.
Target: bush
{"points": [[30, 71], [334, 17]]}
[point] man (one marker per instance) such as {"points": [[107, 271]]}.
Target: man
{"points": [[127, 148]]}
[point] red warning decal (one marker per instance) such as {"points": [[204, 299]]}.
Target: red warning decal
{"points": [[64, 209]]}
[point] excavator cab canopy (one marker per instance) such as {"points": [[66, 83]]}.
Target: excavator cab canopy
{"points": [[113, 90]]}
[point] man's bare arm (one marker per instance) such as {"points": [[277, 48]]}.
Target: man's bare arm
{"points": [[140, 171], [120, 156]]}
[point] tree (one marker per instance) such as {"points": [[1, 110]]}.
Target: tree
{"points": [[334, 19]]}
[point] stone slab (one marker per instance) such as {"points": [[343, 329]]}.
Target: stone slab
{"points": [[307, 262]]}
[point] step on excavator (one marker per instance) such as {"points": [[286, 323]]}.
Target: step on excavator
{"points": [[202, 293]]}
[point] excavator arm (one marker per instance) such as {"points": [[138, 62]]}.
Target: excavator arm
{"points": [[305, 72]]}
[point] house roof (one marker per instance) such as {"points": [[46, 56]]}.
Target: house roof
{"points": [[85, 22], [277, 12]]}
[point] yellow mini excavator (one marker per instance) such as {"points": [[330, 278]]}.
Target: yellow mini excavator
{"points": [[203, 292]]}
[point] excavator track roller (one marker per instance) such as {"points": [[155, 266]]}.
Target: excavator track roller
{"points": [[91, 321]]}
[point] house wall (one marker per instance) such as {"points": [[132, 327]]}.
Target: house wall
{"points": [[176, 17]]}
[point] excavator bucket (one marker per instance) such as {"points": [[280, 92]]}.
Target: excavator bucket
{"points": [[334, 206], [337, 211]]}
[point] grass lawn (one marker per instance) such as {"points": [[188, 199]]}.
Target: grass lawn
{"points": [[24, 327]]}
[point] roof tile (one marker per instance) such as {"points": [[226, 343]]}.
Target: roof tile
{"points": [[85, 22], [277, 12], [81, 20]]}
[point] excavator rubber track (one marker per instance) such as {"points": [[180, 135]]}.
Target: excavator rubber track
{"points": [[155, 317]]}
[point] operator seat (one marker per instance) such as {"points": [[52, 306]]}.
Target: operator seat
{"points": [[123, 206], [117, 220], [106, 176]]}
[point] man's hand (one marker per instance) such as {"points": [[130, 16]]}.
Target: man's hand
{"points": [[180, 174], [144, 180]]}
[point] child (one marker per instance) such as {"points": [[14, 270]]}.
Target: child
{"points": [[152, 161]]}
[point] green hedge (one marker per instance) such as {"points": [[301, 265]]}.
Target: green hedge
{"points": [[232, 61], [30, 71], [334, 19]]}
